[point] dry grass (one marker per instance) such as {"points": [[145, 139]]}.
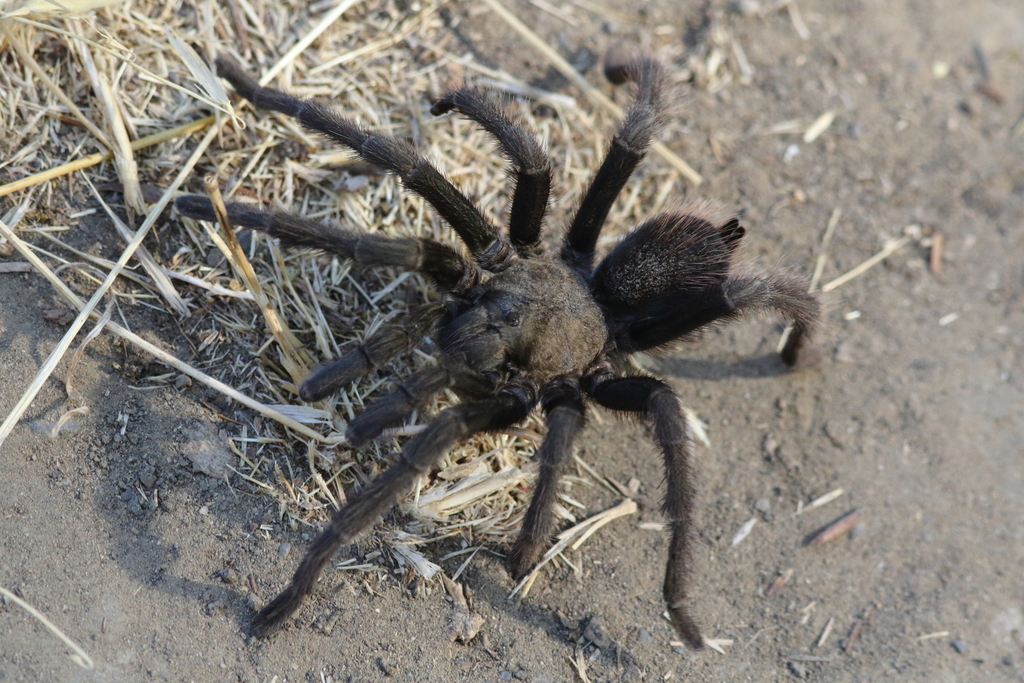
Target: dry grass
{"points": [[77, 90]]}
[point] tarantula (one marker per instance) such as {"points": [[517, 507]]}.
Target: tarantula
{"points": [[517, 327]]}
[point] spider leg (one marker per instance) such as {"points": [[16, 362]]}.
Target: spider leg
{"points": [[628, 147], [531, 165], [394, 408], [725, 301], [564, 409], [417, 458], [445, 266], [783, 293], [418, 175], [657, 402], [377, 349], [690, 312]]}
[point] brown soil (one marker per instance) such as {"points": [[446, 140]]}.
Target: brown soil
{"points": [[917, 416]]}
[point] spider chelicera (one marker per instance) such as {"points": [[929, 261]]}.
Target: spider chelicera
{"points": [[517, 327]]}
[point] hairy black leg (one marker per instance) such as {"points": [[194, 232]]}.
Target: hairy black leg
{"points": [[563, 406], [627, 149], [445, 266], [394, 408], [779, 292], [656, 401], [380, 347], [417, 458], [418, 175], [531, 165], [685, 313]]}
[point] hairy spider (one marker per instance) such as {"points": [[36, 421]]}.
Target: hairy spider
{"points": [[516, 326]]}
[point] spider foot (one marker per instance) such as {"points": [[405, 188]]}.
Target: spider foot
{"points": [[523, 557], [685, 626], [272, 617]]}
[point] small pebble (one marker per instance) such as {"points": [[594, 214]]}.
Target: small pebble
{"points": [[645, 636], [798, 669], [745, 8], [205, 510], [594, 632], [182, 381], [843, 354], [504, 675], [632, 673], [543, 678], [763, 505], [284, 549], [356, 183], [960, 646], [147, 476], [245, 240], [255, 602], [1008, 660]]}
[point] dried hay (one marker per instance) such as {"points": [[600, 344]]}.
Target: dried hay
{"points": [[119, 82]]}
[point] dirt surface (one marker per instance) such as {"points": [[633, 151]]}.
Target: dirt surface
{"points": [[915, 410]]}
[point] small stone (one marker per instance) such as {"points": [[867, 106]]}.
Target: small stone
{"points": [[386, 668], [843, 354], [543, 678], [797, 669], [245, 240], [1008, 660], [325, 624], [763, 505], [229, 576], [960, 646], [134, 506], [594, 632], [504, 675], [205, 510], [284, 549], [147, 476], [745, 8], [835, 434], [255, 602], [644, 636], [182, 381]]}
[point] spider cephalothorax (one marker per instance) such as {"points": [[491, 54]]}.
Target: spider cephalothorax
{"points": [[517, 327]]}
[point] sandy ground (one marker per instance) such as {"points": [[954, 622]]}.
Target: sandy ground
{"points": [[915, 410]]}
